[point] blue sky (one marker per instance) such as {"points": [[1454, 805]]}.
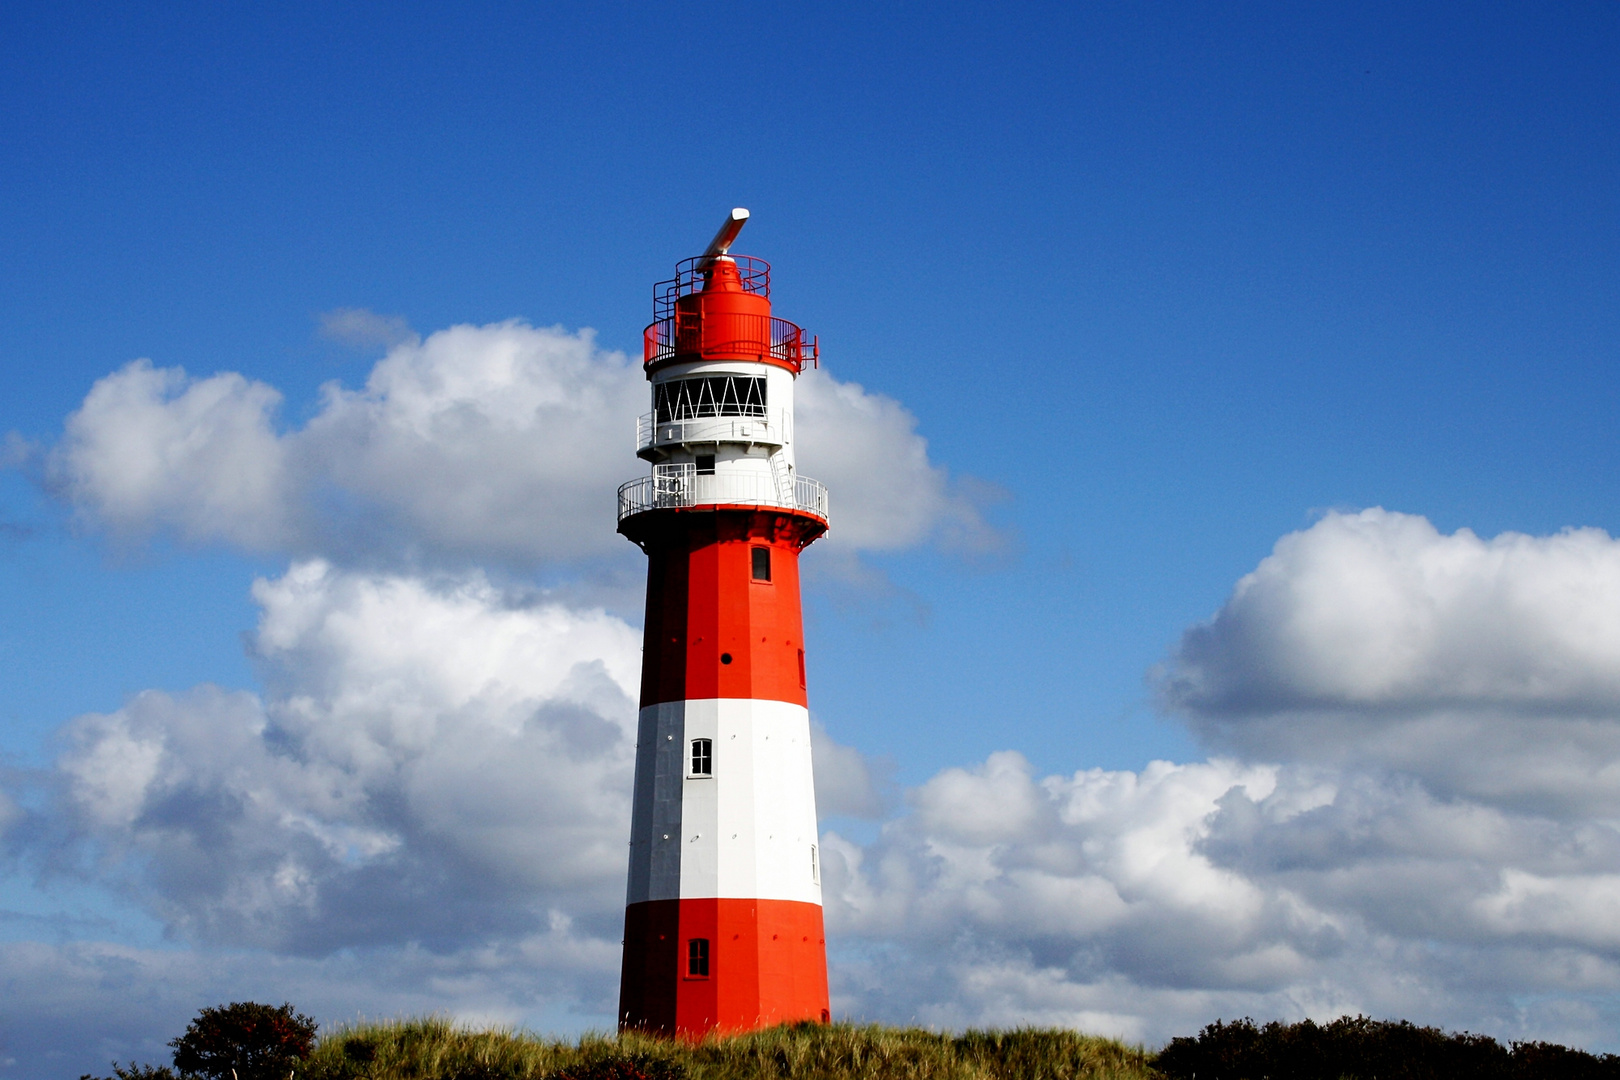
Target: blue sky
{"points": [[1159, 285]]}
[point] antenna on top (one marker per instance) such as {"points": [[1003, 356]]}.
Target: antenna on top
{"points": [[724, 238]]}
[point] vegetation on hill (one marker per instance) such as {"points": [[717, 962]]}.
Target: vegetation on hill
{"points": [[1362, 1049], [436, 1049], [245, 1041]]}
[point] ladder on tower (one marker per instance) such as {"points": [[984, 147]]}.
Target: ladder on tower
{"points": [[783, 477]]}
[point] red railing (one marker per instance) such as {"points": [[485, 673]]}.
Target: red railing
{"points": [[729, 336], [690, 277]]}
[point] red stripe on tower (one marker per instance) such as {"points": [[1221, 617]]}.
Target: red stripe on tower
{"points": [[722, 925]]}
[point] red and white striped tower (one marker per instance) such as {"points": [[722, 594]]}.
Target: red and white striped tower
{"points": [[722, 924]]}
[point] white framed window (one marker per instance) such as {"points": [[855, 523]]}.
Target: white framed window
{"points": [[815, 866], [700, 762]]}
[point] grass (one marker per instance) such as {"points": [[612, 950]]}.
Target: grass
{"points": [[435, 1049]]}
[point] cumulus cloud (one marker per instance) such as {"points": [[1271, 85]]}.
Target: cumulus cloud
{"points": [[1414, 813], [437, 768], [1411, 809], [201, 457], [1490, 668], [435, 762], [73, 1007], [848, 783], [1379, 611], [889, 494], [1145, 904], [502, 442]]}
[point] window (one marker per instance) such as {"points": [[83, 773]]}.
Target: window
{"points": [[702, 757], [705, 464], [815, 866], [697, 958], [762, 564], [801, 669], [709, 395]]}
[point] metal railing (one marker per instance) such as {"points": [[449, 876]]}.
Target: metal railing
{"points": [[772, 428], [674, 486], [692, 274], [729, 336]]}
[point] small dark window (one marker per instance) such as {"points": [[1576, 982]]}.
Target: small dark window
{"points": [[801, 669], [702, 757], [725, 658], [697, 957], [705, 464], [762, 564]]}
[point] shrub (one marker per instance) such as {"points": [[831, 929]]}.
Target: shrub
{"points": [[137, 1072], [245, 1041], [635, 1067], [1360, 1048]]}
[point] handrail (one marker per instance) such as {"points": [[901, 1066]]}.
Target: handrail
{"points": [[678, 486], [691, 276], [729, 336]]}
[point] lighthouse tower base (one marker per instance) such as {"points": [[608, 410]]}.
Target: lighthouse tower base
{"points": [[773, 952]]}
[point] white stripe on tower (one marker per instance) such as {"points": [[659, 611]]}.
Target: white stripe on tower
{"points": [[748, 829]]}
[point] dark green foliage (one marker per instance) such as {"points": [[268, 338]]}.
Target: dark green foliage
{"points": [[1539, 1059], [138, 1072], [634, 1067], [245, 1041], [1363, 1049]]}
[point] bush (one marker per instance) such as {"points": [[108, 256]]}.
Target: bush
{"points": [[1360, 1048], [244, 1041], [137, 1072], [635, 1067]]}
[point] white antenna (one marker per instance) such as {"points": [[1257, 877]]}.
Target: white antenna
{"points": [[724, 238]]}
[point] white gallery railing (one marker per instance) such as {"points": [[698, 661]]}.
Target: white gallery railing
{"points": [[680, 485]]}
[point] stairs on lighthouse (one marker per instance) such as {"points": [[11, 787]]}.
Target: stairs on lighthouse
{"points": [[783, 479]]}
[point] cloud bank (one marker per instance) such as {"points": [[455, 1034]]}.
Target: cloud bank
{"points": [[1414, 814], [1409, 808], [1489, 669], [500, 443], [427, 810]]}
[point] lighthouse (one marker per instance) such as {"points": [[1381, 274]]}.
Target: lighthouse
{"points": [[722, 924]]}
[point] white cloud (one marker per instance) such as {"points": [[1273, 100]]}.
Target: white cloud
{"points": [[888, 493], [1490, 668], [1420, 815], [435, 762], [848, 783], [151, 448], [361, 328], [1380, 611], [74, 1007], [1146, 904], [502, 442]]}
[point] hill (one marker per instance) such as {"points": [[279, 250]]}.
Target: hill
{"points": [[422, 1049]]}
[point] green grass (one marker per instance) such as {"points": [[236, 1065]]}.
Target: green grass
{"points": [[433, 1049]]}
